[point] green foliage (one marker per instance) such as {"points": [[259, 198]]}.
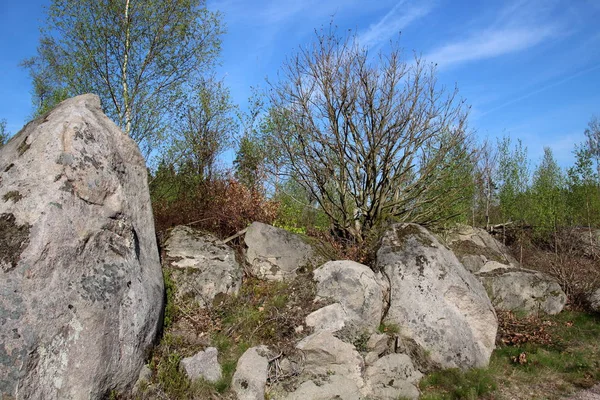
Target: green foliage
{"points": [[139, 56], [390, 329], [454, 384], [513, 180], [248, 161], [253, 147], [583, 184], [296, 212], [4, 134], [351, 130], [548, 206], [452, 187], [204, 130]]}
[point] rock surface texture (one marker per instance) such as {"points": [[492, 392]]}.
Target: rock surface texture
{"points": [[250, 375], [434, 300], [357, 294], [523, 290], [475, 248], [203, 364], [201, 266], [277, 254], [509, 286], [80, 280]]}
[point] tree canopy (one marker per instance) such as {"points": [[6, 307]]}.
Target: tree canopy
{"points": [[139, 56], [369, 137]]}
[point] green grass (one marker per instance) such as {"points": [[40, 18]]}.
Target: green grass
{"points": [[570, 362], [261, 313]]}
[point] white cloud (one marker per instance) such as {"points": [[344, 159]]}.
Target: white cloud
{"points": [[489, 44], [518, 26], [399, 17]]}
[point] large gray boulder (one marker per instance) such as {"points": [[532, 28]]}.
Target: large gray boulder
{"points": [[357, 293], [509, 286], [336, 387], [523, 290], [476, 249], [324, 354], [201, 266], [276, 254], [434, 300], [81, 283]]}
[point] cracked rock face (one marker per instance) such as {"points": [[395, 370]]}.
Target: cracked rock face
{"points": [[358, 295], [509, 286], [80, 280], [276, 254], [434, 300], [201, 266]]}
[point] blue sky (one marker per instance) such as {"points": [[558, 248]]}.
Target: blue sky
{"points": [[529, 69]]}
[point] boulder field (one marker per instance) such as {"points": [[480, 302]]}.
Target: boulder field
{"points": [[82, 292]]}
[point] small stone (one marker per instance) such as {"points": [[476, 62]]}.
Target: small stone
{"points": [[378, 343], [250, 376], [203, 365], [299, 329], [371, 357]]}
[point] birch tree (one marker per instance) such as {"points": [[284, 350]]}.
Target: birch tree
{"points": [[138, 55]]}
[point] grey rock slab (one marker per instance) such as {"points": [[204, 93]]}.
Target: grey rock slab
{"points": [[332, 387], [324, 354], [509, 286], [378, 342], [523, 290], [390, 377], [434, 300], [276, 254], [331, 318], [81, 288], [250, 376], [356, 288], [201, 266], [475, 246], [203, 364]]}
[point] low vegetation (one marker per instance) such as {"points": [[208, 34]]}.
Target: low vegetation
{"points": [[263, 312], [546, 357]]}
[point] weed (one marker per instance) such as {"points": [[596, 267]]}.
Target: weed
{"points": [[389, 328], [360, 342], [170, 305]]}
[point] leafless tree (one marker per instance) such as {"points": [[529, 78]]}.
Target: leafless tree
{"points": [[371, 138]]}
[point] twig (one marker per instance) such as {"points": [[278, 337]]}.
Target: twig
{"points": [[230, 238], [276, 357]]}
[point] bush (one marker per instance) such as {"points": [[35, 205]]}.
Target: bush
{"points": [[222, 206]]}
